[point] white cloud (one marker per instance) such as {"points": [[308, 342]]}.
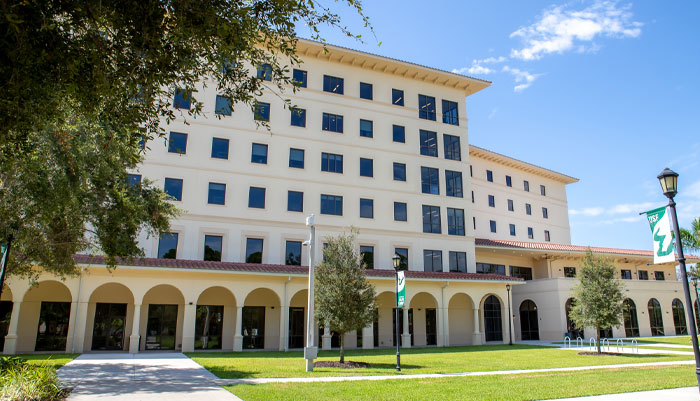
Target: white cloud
{"points": [[523, 78], [490, 60], [474, 69], [623, 208], [561, 29], [493, 112]]}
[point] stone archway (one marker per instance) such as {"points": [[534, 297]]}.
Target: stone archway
{"points": [[529, 322], [261, 320], [110, 312], [162, 317], [461, 319], [383, 327], [215, 319], [45, 318], [493, 318], [425, 319]]}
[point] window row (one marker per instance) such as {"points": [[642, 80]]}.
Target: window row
{"points": [[515, 271], [511, 206], [512, 230], [509, 181]]}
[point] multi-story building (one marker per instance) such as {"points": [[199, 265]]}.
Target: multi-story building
{"points": [[371, 142]]}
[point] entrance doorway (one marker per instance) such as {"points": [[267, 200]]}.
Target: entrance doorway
{"points": [[253, 327], [53, 326], [108, 331], [492, 319], [431, 326], [529, 326], [296, 328], [208, 327], [161, 327], [5, 314]]}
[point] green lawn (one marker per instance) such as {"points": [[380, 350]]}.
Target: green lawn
{"points": [[57, 360], [680, 340], [510, 387], [413, 361]]}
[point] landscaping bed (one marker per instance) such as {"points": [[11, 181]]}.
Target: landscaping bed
{"points": [[22, 380]]}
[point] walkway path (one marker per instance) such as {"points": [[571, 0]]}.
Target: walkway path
{"points": [[673, 394], [141, 377]]}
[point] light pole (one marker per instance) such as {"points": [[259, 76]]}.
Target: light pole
{"points": [[310, 352], [694, 279], [396, 259], [510, 318], [669, 184]]}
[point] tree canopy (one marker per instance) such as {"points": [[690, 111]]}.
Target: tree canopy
{"points": [[690, 238]]}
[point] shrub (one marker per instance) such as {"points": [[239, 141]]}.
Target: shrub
{"points": [[22, 381]]}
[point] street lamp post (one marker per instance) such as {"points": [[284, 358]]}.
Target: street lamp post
{"points": [[510, 318], [310, 351], [669, 184], [396, 259], [694, 279]]}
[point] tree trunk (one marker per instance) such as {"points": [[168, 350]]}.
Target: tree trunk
{"points": [[342, 347], [597, 337]]}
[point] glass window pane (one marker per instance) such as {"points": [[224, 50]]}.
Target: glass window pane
{"points": [[133, 180], [295, 201], [333, 84], [366, 128], [397, 97], [298, 117], [450, 113], [177, 143], [167, 246], [367, 208], [217, 193], [403, 255], [299, 77], [256, 197], [173, 187], [399, 172], [261, 111], [365, 91], [223, 106], [426, 107], [296, 158], [428, 143], [259, 153], [367, 253], [182, 99], [366, 167], [254, 250], [399, 133], [293, 253], [400, 213], [219, 148], [265, 72], [212, 247]]}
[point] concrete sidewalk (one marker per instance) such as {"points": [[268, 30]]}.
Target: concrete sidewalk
{"points": [[141, 377], [674, 394]]}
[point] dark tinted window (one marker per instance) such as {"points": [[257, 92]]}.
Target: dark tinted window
{"points": [[292, 253], [450, 113], [492, 201], [212, 247], [367, 253], [332, 122], [296, 158], [217, 193], [512, 229], [458, 262], [403, 257], [453, 183], [400, 213], [366, 91], [399, 172], [453, 150], [298, 117], [431, 219], [366, 128], [626, 274], [219, 148], [182, 99], [490, 268], [545, 214], [299, 77], [332, 163], [331, 204], [509, 181], [426, 107], [659, 276], [261, 111], [367, 208], [489, 175], [643, 275], [528, 208], [530, 233], [526, 186], [167, 246], [524, 273], [492, 223], [256, 197], [253, 250], [570, 272], [265, 72], [295, 201], [133, 179], [399, 133], [543, 190], [546, 235], [455, 221], [366, 167], [428, 143], [430, 181], [177, 143], [332, 84], [397, 97], [432, 260], [223, 106], [259, 153], [511, 207], [173, 187]]}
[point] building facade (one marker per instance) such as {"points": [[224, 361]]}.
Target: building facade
{"points": [[370, 142]]}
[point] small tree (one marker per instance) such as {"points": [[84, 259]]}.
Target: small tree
{"points": [[598, 296], [344, 298]]}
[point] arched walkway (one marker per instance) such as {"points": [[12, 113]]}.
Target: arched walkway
{"points": [[296, 337], [529, 323], [425, 319], [45, 318], [261, 320], [110, 312], [679, 317], [215, 319], [5, 314], [629, 317], [493, 318], [162, 316], [656, 321], [383, 326], [461, 319]]}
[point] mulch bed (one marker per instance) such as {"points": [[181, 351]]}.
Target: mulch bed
{"points": [[336, 364], [602, 353]]}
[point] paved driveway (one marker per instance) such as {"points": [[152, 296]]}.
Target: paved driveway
{"points": [[136, 377]]}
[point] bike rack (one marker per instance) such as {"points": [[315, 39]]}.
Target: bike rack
{"points": [[619, 345], [577, 339], [567, 342], [602, 343], [592, 343], [635, 344]]}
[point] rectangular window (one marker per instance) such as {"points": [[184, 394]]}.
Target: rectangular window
{"points": [[332, 122], [492, 201], [403, 257], [524, 273], [530, 233], [259, 153], [432, 260], [430, 180], [489, 175], [489, 268], [298, 117], [167, 246], [295, 201], [223, 106], [569, 272], [256, 198], [299, 77], [253, 250], [217, 194], [526, 186], [212, 247], [545, 214], [458, 262], [546, 235], [453, 183], [366, 208], [332, 163], [177, 143], [265, 72], [399, 172], [399, 133], [626, 274], [643, 275], [472, 196], [453, 149], [455, 221], [182, 99], [332, 204], [511, 208], [365, 91], [471, 171], [219, 148], [659, 276], [367, 253], [509, 181], [296, 158], [400, 212], [450, 114], [366, 128], [333, 84], [428, 143], [261, 111], [528, 209], [292, 253], [397, 97], [492, 223], [173, 187], [431, 219], [426, 107], [512, 229], [133, 180], [543, 190]]}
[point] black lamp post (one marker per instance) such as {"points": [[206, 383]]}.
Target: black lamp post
{"points": [[694, 279], [669, 184], [510, 318], [397, 262]]}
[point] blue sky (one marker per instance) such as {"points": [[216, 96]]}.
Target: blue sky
{"points": [[603, 91]]}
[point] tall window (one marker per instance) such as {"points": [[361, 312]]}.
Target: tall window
{"points": [[430, 180], [545, 214], [509, 181], [426, 107], [219, 148], [399, 172], [428, 143], [223, 106], [212, 247], [332, 163], [366, 128], [177, 143], [259, 153], [530, 233], [546, 235], [173, 187], [299, 77], [679, 317], [455, 221], [256, 198], [629, 317], [333, 84], [528, 209], [298, 117], [431, 219], [296, 158], [526, 186], [453, 150], [265, 72], [450, 114], [453, 183], [167, 246], [397, 97], [492, 224], [292, 253], [510, 205], [367, 252], [458, 262], [182, 99], [332, 122], [365, 91], [490, 268], [399, 133], [492, 201], [261, 111], [489, 175], [432, 260], [332, 204], [512, 229], [217, 193], [295, 201], [366, 208], [403, 257], [400, 212], [543, 190], [656, 320], [253, 250]]}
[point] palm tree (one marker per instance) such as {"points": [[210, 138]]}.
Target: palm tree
{"points": [[691, 238]]}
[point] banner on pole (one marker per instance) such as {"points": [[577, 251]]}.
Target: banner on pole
{"points": [[3, 261], [662, 235], [401, 291]]}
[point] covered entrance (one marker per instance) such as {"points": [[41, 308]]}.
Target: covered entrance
{"points": [[529, 327], [5, 313], [253, 327], [108, 331], [161, 327], [296, 327]]}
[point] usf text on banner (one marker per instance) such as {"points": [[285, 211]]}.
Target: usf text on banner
{"points": [[662, 235], [401, 292]]}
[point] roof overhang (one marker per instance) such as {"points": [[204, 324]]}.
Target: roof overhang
{"points": [[481, 153]]}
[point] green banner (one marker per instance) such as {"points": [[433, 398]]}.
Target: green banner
{"points": [[3, 252], [401, 290], [662, 236]]}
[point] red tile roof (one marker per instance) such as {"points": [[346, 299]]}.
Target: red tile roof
{"points": [[280, 269]]}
